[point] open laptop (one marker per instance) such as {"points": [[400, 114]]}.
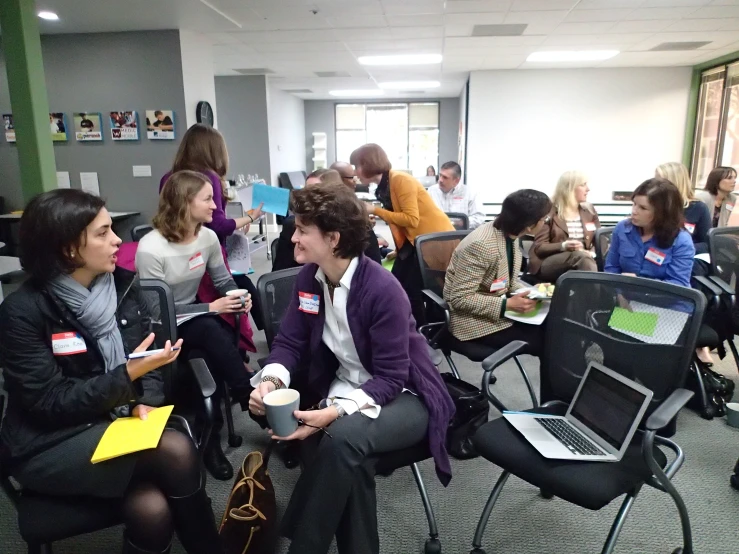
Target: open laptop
{"points": [[598, 425]]}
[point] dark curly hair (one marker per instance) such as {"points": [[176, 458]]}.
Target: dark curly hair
{"points": [[334, 208]]}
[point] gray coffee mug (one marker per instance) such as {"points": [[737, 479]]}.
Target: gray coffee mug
{"points": [[279, 406], [732, 414]]}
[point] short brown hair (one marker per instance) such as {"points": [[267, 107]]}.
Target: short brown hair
{"points": [[202, 149], [172, 216], [372, 160], [333, 208], [667, 204], [327, 176], [716, 176]]}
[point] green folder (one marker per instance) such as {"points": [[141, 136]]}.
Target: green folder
{"points": [[388, 264], [642, 323]]}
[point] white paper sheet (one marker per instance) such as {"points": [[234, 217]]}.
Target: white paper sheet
{"points": [[244, 195], [62, 180], [89, 181], [237, 248], [705, 257]]}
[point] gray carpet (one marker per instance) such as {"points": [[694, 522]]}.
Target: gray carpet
{"points": [[522, 522]]}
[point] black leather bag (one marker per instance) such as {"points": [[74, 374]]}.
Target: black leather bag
{"points": [[472, 411]]}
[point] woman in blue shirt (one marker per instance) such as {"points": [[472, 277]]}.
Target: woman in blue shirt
{"points": [[653, 243]]}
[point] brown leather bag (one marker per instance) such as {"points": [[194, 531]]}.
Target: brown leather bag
{"points": [[248, 524]]}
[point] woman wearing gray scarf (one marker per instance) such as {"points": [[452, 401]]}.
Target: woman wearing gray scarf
{"points": [[64, 340]]}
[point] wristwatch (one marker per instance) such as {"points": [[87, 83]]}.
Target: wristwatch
{"points": [[339, 408], [274, 380]]}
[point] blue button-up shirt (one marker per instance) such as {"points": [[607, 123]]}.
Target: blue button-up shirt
{"points": [[628, 252]]}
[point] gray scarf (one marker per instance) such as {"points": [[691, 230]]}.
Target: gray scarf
{"points": [[95, 310]]}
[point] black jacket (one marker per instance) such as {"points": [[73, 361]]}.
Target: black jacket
{"points": [[52, 398], [285, 255]]}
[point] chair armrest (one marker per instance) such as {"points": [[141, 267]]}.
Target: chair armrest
{"points": [[501, 356], [708, 284], [205, 381], [666, 411], [436, 299], [723, 285]]}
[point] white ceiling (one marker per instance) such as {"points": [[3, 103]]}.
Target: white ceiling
{"points": [[286, 37]]}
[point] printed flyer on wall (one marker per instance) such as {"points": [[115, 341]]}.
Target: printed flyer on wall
{"points": [[124, 126], [88, 126], [9, 127], [160, 124], [58, 126]]}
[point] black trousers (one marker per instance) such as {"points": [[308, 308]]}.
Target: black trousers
{"points": [[335, 494], [408, 272]]}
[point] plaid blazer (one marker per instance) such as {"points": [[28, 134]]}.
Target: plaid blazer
{"points": [[479, 260]]}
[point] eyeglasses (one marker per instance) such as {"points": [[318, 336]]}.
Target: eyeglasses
{"points": [[324, 404]]}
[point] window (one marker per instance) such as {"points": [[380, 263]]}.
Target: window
{"points": [[716, 141], [409, 133]]}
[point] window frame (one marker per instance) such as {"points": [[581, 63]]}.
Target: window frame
{"points": [[408, 104]]}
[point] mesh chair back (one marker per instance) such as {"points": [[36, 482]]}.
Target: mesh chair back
{"points": [[652, 344], [275, 292], [460, 221], [160, 302], [138, 232], [723, 244], [434, 253], [602, 243]]}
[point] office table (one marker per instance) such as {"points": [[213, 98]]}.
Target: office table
{"points": [[6, 220], [9, 267]]}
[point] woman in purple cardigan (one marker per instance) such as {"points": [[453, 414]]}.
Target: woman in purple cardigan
{"points": [[348, 342]]}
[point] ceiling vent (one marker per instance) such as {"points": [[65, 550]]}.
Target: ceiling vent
{"points": [[332, 74], [509, 30], [254, 71], [678, 46]]}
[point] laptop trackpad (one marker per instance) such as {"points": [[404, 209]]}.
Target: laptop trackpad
{"points": [[539, 435]]}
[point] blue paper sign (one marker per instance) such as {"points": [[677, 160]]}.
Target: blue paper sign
{"points": [[276, 200]]}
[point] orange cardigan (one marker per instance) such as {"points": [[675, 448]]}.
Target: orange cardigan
{"points": [[415, 211]]}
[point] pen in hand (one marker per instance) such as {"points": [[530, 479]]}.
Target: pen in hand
{"points": [[147, 353]]}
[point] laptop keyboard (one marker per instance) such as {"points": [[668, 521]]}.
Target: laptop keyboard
{"points": [[564, 433]]}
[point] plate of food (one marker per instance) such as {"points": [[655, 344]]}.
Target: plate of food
{"points": [[542, 291]]}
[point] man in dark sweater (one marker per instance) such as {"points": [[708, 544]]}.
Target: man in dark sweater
{"points": [[284, 255]]}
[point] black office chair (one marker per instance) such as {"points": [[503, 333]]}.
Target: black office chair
{"points": [[46, 519], [273, 249], [601, 243], [580, 317], [138, 232], [434, 253], [275, 291], [460, 221]]}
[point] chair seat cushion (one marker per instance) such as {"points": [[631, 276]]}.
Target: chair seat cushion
{"points": [[44, 519], [391, 461], [707, 337], [591, 485]]}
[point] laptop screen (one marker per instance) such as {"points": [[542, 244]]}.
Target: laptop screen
{"points": [[607, 406]]}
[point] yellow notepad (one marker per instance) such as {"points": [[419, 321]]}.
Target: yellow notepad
{"points": [[132, 434]]}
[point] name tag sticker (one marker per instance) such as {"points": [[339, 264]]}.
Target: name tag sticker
{"points": [[655, 256], [458, 198], [590, 227], [196, 261], [499, 284], [65, 344], [309, 303], [690, 227], [730, 207]]}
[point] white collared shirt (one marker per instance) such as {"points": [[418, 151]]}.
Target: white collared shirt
{"points": [[338, 337], [461, 200]]}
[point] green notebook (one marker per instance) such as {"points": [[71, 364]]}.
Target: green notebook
{"points": [[642, 323]]}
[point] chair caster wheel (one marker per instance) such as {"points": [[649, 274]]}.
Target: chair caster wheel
{"points": [[432, 546], [235, 441], [677, 551], [546, 494], [477, 551], [734, 481], [708, 412]]}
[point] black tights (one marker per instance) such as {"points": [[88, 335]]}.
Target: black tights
{"points": [[170, 470]]}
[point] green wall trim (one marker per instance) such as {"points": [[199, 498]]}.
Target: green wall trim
{"points": [[29, 102], [695, 85]]}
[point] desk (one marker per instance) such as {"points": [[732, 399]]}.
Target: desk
{"points": [[9, 267], [6, 220]]}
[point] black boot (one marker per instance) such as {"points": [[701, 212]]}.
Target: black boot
{"points": [[130, 548], [215, 460], [195, 523]]}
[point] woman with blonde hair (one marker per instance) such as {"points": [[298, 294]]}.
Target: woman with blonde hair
{"points": [[408, 209], [565, 242], [179, 251], [697, 216]]}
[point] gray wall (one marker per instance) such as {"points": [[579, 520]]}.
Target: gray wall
{"points": [[242, 105], [104, 72], [320, 117]]}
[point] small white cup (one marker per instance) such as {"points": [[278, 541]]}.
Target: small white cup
{"points": [[238, 292]]}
